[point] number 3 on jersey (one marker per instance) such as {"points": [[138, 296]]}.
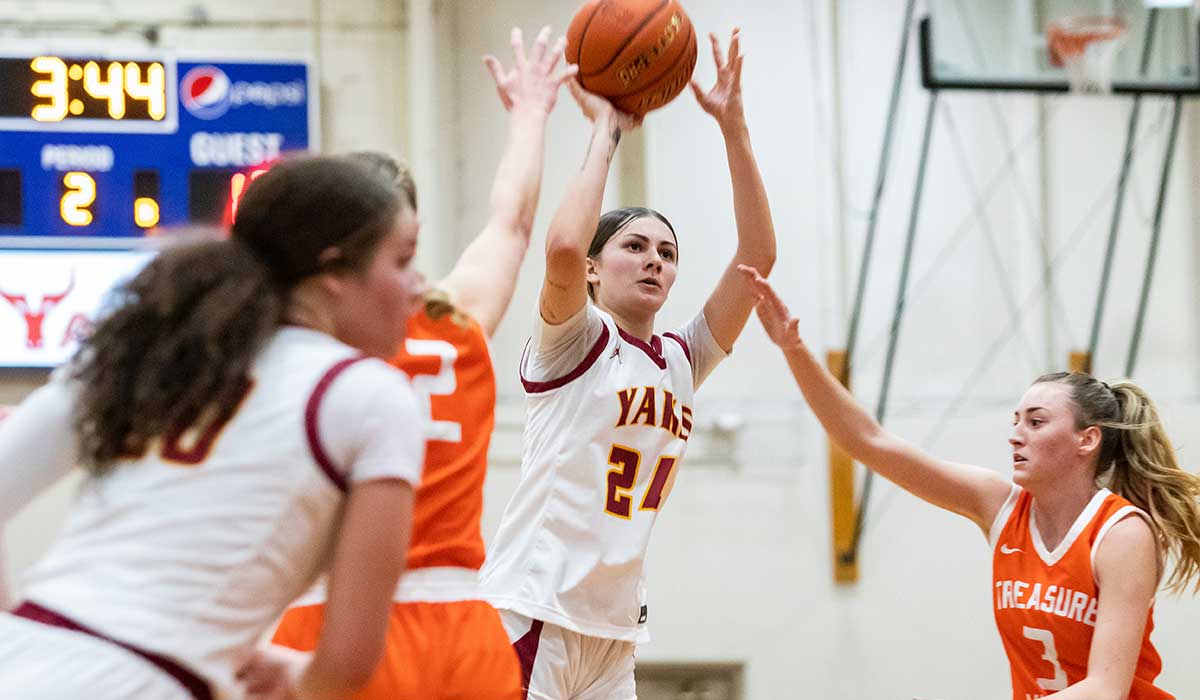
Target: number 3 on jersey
{"points": [[1046, 638], [623, 476]]}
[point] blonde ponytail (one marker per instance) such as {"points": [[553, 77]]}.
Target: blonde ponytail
{"points": [[1145, 471]]}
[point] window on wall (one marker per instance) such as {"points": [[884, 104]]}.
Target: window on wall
{"points": [[666, 681]]}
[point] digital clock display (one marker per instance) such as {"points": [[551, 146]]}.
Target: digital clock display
{"points": [[101, 153], [49, 89]]}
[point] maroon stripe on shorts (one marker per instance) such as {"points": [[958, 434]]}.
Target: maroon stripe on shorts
{"points": [[195, 685], [526, 648]]}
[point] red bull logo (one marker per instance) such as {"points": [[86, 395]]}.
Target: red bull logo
{"points": [[34, 319], [205, 92]]}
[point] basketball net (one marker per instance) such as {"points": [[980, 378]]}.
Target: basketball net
{"points": [[1087, 47]]}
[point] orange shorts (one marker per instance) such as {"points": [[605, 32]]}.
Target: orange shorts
{"points": [[434, 651]]}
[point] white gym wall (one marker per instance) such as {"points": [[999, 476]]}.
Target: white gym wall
{"points": [[740, 566]]}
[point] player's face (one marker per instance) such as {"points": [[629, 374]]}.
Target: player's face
{"points": [[636, 268], [1045, 440], [376, 301]]}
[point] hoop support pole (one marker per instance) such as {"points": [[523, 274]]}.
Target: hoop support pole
{"points": [[885, 157], [898, 313], [1122, 186], [1152, 255], [841, 487]]}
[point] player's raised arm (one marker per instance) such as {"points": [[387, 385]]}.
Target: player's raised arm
{"points": [[968, 490], [564, 289], [484, 278], [729, 305]]}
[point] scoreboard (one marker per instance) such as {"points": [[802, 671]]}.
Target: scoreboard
{"points": [[101, 154]]}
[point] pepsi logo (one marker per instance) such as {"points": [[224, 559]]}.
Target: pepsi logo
{"points": [[205, 92]]}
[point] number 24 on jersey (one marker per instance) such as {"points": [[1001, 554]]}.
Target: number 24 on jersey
{"points": [[623, 476]]}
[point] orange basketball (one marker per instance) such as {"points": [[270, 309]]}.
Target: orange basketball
{"points": [[638, 53]]}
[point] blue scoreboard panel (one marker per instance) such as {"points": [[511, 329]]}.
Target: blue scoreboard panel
{"points": [[99, 153]]}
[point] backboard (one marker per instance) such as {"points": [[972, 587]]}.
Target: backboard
{"points": [[1001, 44]]}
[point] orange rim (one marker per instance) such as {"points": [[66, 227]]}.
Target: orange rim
{"points": [[1069, 37]]}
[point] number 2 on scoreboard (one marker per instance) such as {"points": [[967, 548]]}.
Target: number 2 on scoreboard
{"points": [[79, 196]]}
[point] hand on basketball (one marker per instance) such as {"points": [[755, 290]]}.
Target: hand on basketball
{"points": [[535, 78], [596, 108], [724, 100], [781, 328]]}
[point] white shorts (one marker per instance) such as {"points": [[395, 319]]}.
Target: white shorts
{"points": [[40, 662], [558, 664]]}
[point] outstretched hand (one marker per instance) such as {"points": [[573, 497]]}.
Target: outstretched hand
{"points": [[781, 328], [534, 80], [724, 100], [596, 107]]}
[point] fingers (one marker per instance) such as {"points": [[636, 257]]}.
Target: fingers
{"points": [[565, 73], [766, 293], [540, 44], [578, 93], [257, 678], [751, 272], [555, 55], [716, 51], [697, 91], [518, 46], [737, 72], [497, 72], [734, 44], [627, 122]]}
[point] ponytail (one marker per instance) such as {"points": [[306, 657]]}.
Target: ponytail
{"points": [[1144, 470], [179, 343], [182, 337]]}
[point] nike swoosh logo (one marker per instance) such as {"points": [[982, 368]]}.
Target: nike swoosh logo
{"points": [[1005, 549]]}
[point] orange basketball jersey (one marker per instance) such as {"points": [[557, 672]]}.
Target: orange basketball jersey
{"points": [[1046, 601], [451, 363]]}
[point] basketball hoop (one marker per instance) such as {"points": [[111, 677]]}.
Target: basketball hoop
{"points": [[1086, 47]]}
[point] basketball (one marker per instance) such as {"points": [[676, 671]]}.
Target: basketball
{"points": [[639, 54]]}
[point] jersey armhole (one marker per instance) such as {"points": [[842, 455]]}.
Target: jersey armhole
{"points": [[1002, 517], [312, 432], [1121, 514]]}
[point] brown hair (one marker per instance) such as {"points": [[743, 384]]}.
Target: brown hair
{"points": [[394, 172], [183, 334], [1138, 462]]}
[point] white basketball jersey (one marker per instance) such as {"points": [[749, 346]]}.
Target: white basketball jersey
{"points": [[607, 421], [192, 550]]}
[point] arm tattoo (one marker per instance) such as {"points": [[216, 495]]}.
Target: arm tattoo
{"points": [[586, 156], [614, 138]]}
